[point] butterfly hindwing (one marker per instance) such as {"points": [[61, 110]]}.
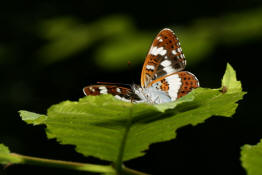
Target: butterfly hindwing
{"points": [[164, 57], [177, 84]]}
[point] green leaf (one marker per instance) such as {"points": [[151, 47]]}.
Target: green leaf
{"points": [[113, 130], [6, 157], [32, 118], [4, 149], [229, 80], [251, 158]]}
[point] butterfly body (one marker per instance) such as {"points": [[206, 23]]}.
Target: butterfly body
{"points": [[150, 95], [162, 78]]}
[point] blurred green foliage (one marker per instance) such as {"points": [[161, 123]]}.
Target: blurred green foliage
{"points": [[3, 53], [68, 36], [204, 34], [115, 40]]}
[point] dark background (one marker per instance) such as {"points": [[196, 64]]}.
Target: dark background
{"points": [[34, 78]]}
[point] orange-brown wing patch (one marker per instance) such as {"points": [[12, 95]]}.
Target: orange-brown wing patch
{"points": [[164, 85]]}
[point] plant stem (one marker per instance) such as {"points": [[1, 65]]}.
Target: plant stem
{"points": [[128, 171], [63, 164], [22, 159]]}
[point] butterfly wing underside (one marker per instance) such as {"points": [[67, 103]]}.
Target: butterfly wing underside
{"points": [[164, 57], [122, 93], [177, 84]]}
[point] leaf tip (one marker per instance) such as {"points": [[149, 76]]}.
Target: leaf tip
{"points": [[31, 117], [4, 149], [229, 81]]}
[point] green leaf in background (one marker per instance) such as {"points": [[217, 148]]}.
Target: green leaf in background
{"points": [[123, 42], [198, 39], [113, 130], [251, 158], [6, 157], [126, 47], [68, 36]]}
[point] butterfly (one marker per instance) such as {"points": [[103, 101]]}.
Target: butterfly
{"points": [[162, 78]]}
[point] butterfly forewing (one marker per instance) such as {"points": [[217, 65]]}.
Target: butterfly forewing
{"points": [[177, 84], [164, 57], [122, 93]]}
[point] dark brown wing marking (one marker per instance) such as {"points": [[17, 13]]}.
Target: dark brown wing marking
{"points": [[189, 82], [119, 92]]}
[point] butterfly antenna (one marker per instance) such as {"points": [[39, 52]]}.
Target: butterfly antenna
{"points": [[129, 66], [129, 70], [108, 83]]}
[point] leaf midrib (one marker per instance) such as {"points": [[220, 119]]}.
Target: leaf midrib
{"points": [[123, 142]]}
